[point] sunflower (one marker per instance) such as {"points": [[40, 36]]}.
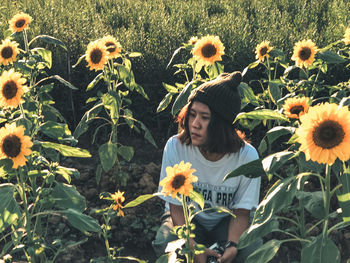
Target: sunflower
{"points": [[304, 53], [346, 38], [8, 51], [179, 179], [119, 198], [193, 40], [324, 133], [96, 55], [11, 89], [14, 144], [295, 107], [113, 46], [208, 49], [263, 50], [20, 22]]}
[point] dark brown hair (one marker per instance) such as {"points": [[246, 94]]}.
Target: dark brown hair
{"points": [[222, 136]]}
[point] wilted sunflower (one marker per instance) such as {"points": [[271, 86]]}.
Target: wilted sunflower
{"points": [[346, 38], [20, 22], [11, 89], [295, 107], [14, 144], [96, 55], [208, 49], [113, 46], [304, 53], [263, 50], [324, 133], [8, 51], [179, 179], [119, 198]]}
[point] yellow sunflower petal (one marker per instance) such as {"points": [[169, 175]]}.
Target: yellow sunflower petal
{"points": [[20, 22], [96, 55], [11, 89], [112, 45], [304, 53], [346, 38], [262, 50], [295, 107], [8, 52], [208, 50]]}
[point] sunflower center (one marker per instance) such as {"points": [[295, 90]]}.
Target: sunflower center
{"points": [[208, 50], [9, 90], [96, 56], [304, 53], [297, 109], [20, 23], [328, 134], [178, 181], [11, 146], [110, 47], [6, 52], [263, 51]]}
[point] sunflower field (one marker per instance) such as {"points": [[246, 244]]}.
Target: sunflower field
{"points": [[88, 93]]}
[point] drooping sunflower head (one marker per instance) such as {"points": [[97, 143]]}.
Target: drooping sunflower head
{"points": [[96, 55], [208, 50], [113, 46], [262, 50], [324, 133], [295, 107], [346, 38], [118, 198], [8, 51], [304, 53], [14, 144], [20, 22], [11, 89], [179, 179]]}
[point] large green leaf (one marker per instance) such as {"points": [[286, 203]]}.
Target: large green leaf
{"points": [[127, 152], [274, 161], [111, 101], [53, 129], [140, 199], [46, 56], [9, 209], [108, 153], [60, 79], [264, 114], [252, 169], [198, 198], [93, 83], [330, 57], [273, 134], [343, 195], [265, 253], [81, 221], [67, 173], [165, 102], [247, 95], [275, 91], [49, 40], [312, 202], [66, 150], [66, 196], [181, 99], [320, 250]]}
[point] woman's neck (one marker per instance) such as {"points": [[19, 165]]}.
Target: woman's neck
{"points": [[211, 156]]}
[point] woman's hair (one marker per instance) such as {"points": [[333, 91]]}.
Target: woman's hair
{"points": [[222, 136]]}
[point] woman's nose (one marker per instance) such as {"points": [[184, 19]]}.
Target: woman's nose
{"points": [[196, 122]]}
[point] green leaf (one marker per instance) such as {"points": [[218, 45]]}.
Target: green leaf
{"points": [[82, 126], [53, 129], [79, 60], [127, 152], [312, 202], [343, 195], [274, 161], [247, 95], [139, 89], [330, 57], [108, 153], [170, 88], [140, 199], [165, 102], [198, 198], [60, 79], [49, 40], [273, 134], [81, 221], [66, 150], [214, 70], [173, 56], [181, 99], [9, 209], [264, 114], [94, 81], [274, 91], [66, 196], [135, 54], [252, 169], [111, 101], [320, 250], [148, 136], [67, 173], [265, 253], [46, 55], [253, 233]]}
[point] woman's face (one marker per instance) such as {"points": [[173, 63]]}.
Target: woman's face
{"points": [[198, 121]]}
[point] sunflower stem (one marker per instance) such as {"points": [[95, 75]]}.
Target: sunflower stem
{"points": [[189, 257], [326, 198], [25, 38]]}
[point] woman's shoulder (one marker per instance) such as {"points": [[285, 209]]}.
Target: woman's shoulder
{"points": [[249, 151]]}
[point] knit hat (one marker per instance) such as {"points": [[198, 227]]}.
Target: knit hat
{"points": [[221, 95]]}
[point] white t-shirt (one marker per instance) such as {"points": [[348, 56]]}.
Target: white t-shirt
{"points": [[237, 192]]}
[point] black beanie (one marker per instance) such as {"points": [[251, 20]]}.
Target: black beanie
{"points": [[221, 95]]}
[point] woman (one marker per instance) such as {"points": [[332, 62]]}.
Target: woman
{"points": [[211, 144]]}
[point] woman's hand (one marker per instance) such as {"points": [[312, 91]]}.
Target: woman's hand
{"points": [[202, 258], [229, 254]]}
